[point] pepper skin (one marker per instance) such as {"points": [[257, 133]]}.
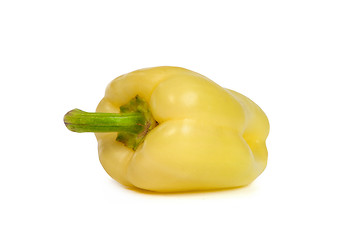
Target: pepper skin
{"points": [[207, 137]]}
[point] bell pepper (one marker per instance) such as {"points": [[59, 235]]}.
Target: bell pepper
{"points": [[169, 129]]}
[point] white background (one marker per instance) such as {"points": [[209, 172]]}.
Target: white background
{"points": [[298, 60]]}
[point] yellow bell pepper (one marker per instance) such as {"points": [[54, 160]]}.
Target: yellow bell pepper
{"points": [[169, 129]]}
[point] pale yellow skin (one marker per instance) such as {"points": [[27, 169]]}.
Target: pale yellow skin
{"points": [[208, 137]]}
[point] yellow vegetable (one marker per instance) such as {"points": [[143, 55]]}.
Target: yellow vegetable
{"points": [[169, 129]]}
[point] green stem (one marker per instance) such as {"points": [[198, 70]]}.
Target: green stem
{"points": [[79, 121], [133, 122]]}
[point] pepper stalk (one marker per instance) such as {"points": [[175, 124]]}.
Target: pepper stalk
{"points": [[132, 123]]}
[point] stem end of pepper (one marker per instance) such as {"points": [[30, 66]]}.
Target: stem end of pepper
{"points": [[132, 123]]}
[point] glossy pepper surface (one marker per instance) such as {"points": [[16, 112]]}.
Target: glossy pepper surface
{"points": [[193, 134]]}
